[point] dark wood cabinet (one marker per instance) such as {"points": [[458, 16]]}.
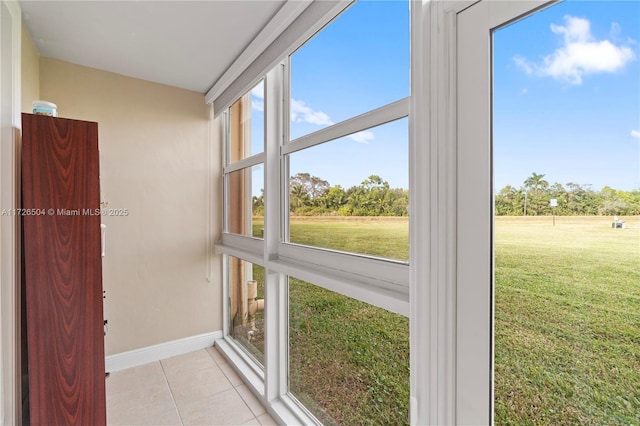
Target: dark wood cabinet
{"points": [[63, 271]]}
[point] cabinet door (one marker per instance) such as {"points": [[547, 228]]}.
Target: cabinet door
{"points": [[63, 271]]}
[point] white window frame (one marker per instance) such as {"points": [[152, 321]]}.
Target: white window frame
{"points": [[475, 209], [449, 385], [377, 281]]}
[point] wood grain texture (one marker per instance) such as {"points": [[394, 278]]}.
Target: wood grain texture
{"points": [[63, 271]]}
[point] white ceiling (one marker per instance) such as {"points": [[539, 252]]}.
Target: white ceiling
{"points": [[187, 44]]}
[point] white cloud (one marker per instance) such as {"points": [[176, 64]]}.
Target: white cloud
{"points": [[303, 113], [524, 91], [580, 55], [362, 137], [576, 30], [522, 63], [635, 134]]}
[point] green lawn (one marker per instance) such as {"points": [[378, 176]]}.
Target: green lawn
{"points": [[349, 361], [567, 321], [355, 234], [567, 325]]}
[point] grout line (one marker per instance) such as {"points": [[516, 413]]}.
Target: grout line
{"points": [[211, 356], [175, 405], [255, 417], [234, 387]]}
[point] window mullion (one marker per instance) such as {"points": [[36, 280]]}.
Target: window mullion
{"points": [[275, 326], [385, 114], [244, 163], [284, 159]]}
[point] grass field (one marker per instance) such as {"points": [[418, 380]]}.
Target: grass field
{"points": [[567, 321], [354, 234], [348, 361], [567, 325]]}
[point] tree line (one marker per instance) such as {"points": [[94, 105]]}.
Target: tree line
{"points": [[310, 195], [534, 197]]}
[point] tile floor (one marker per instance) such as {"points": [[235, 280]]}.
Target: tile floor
{"points": [[198, 388]]}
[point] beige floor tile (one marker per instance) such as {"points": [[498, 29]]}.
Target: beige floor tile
{"points": [[148, 375], [194, 386], [134, 410], [142, 405], [250, 399], [267, 420], [199, 388], [217, 356], [231, 374], [192, 361], [151, 395], [252, 422], [144, 415], [225, 408]]}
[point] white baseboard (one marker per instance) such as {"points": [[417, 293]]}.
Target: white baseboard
{"points": [[154, 353]]}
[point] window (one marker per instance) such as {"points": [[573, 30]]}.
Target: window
{"points": [[553, 298], [566, 312], [357, 63], [356, 209], [317, 188], [245, 189], [451, 257], [348, 360], [246, 125], [244, 165], [246, 305]]}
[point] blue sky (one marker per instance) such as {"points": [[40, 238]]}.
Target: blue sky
{"points": [[359, 62], [566, 95]]}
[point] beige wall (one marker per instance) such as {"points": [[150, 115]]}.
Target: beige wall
{"points": [[30, 72], [155, 157]]}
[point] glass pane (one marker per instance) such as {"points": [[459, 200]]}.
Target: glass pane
{"points": [[245, 189], [246, 306], [567, 267], [246, 125], [351, 194], [357, 63], [348, 360]]}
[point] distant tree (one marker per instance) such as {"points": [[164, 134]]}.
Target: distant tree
{"points": [[314, 187], [334, 198], [617, 202], [311, 195], [298, 196], [536, 182], [258, 203], [535, 196], [509, 201], [582, 200]]}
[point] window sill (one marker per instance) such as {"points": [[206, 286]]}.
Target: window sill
{"points": [[284, 410], [392, 298]]}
